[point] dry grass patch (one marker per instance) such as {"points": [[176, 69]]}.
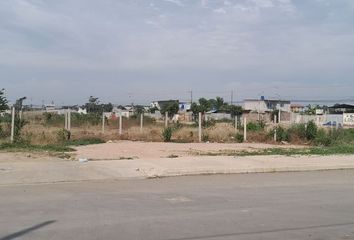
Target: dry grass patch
{"points": [[221, 132]]}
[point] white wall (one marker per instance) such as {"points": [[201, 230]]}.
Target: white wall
{"points": [[255, 106], [318, 119], [262, 107], [348, 119]]}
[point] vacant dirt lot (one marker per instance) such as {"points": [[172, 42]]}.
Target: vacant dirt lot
{"points": [[147, 150]]}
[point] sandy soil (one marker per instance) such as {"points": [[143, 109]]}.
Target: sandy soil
{"points": [[141, 150], [27, 157]]}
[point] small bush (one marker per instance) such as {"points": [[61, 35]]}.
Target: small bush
{"points": [[205, 137], [255, 126], [4, 133], [177, 125], [53, 119], [311, 130], [167, 134], [323, 138], [239, 138], [297, 131], [208, 123], [282, 134], [63, 135]]}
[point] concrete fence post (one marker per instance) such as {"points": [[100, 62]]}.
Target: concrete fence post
{"points": [[103, 122], [12, 124], [245, 129], [69, 119], [236, 130], [166, 119], [141, 122], [200, 127], [66, 119], [120, 124], [275, 130]]}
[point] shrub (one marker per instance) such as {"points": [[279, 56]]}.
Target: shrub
{"points": [[63, 135], [167, 134], [239, 138], [19, 124], [297, 131], [282, 134], [53, 119], [255, 126], [178, 125], [311, 130], [205, 137], [4, 132], [323, 138], [208, 123]]}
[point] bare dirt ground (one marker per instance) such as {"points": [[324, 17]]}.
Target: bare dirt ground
{"points": [[147, 150], [19, 157], [140, 160]]}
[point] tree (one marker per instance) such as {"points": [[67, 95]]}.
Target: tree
{"points": [[107, 107], [3, 101], [172, 108], [311, 130], [219, 103], [153, 109], [138, 110], [204, 105], [19, 103], [310, 110], [94, 106], [232, 109], [19, 122]]}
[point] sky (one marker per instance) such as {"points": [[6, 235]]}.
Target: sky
{"points": [[137, 51]]}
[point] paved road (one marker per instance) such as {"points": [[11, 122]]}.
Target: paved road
{"points": [[309, 205]]}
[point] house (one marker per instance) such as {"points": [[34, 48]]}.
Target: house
{"points": [[341, 108], [50, 107], [126, 111], [82, 111], [185, 106], [297, 108], [266, 105]]}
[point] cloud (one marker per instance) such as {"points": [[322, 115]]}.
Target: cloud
{"points": [[176, 2], [220, 10], [134, 42]]}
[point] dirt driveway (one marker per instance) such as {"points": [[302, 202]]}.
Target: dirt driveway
{"points": [[143, 150]]}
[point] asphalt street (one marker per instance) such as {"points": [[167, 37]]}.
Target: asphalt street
{"points": [[302, 205]]}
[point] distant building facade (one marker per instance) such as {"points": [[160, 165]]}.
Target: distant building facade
{"points": [[266, 105]]}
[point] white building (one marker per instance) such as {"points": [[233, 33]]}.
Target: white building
{"points": [[184, 106], [266, 105]]}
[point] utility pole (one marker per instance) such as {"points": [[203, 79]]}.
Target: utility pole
{"points": [[191, 93]]}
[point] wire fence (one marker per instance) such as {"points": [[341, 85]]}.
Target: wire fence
{"points": [[51, 127]]}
